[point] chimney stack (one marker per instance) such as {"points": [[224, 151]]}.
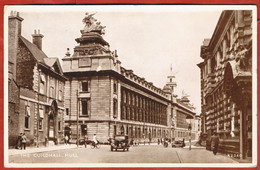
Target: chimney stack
{"points": [[14, 31], [37, 39]]}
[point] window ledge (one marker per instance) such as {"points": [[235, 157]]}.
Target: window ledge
{"points": [[83, 115], [42, 94], [26, 129]]}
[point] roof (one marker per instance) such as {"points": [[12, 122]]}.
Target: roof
{"points": [[51, 62], [188, 106], [41, 57], [38, 54]]}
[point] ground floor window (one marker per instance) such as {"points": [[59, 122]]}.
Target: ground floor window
{"points": [[59, 126], [83, 130], [27, 117], [85, 107], [40, 124], [26, 122]]}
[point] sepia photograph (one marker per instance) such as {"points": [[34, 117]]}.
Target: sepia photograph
{"points": [[130, 86]]}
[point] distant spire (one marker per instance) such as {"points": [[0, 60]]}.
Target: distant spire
{"points": [[171, 67]]}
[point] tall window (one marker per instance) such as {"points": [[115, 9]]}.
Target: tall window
{"points": [[85, 107], [27, 117], [85, 86], [67, 111], [52, 91], [42, 83], [59, 126], [60, 95], [41, 116], [40, 124], [115, 108], [115, 87]]}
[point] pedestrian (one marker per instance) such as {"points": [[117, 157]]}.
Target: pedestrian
{"points": [[214, 143], [66, 139], [95, 140], [18, 141], [23, 141], [85, 140], [46, 140]]}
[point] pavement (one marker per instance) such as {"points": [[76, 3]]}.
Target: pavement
{"points": [[41, 149]]}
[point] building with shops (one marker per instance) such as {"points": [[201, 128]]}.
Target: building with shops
{"points": [[226, 83], [35, 89], [104, 98]]}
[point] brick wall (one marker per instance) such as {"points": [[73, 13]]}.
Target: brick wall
{"points": [[25, 67], [30, 131]]}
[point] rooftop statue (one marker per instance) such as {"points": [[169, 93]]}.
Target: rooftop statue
{"points": [[91, 24]]}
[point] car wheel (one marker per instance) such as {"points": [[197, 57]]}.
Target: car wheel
{"points": [[116, 149], [127, 149]]}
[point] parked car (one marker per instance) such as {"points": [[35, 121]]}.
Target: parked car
{"points": [[178, 143], [120, 142]]}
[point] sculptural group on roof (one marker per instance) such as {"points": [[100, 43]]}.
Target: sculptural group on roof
{"points": [[91, 24]]}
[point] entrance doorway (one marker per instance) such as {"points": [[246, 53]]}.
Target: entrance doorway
{"points": [[52, 121], [51, 127]]}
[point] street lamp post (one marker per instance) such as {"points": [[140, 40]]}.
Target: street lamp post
{"points": [[189, 128]]}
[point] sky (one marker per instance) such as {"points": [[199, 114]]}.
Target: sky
{"points": [[148, 39]]}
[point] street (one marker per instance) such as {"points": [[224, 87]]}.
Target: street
{"points": [[136, 154]]}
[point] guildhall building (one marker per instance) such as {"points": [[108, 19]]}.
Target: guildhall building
{"points": [[104, 98]]}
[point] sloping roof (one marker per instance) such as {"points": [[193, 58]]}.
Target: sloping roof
{"points": [[51, 63], [38, 54]]}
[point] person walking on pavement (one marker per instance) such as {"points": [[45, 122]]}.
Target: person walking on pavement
{"points": [[183, 142], [23, 141], [18, 141], [95, 140], [66, 139], [214, 143], [85, 140]]}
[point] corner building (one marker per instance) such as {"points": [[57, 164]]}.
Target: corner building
{"points": [[226, 83], [104, 98]]}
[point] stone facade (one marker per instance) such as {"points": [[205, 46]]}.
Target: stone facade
{"points": [[226, 83], [106, 99]]}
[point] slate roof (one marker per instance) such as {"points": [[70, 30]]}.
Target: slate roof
{"points": [[38, 54], [50, 61]]}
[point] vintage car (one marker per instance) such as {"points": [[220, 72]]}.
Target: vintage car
{"points": [[120, 142], [178, 143]]}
